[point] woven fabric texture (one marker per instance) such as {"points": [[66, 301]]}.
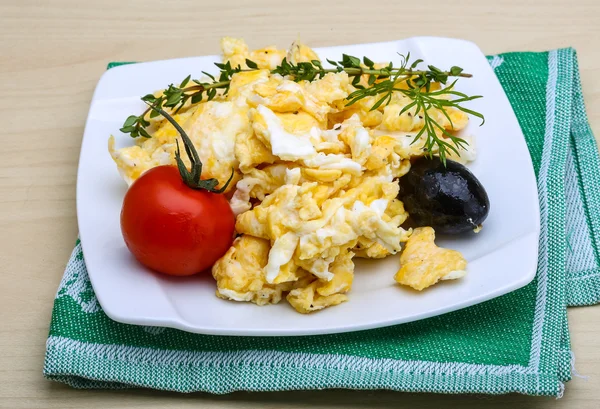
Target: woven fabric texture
{"points": [[515, 343]]}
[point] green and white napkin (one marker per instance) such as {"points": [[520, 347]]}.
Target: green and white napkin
{"points": [[515, 343]]}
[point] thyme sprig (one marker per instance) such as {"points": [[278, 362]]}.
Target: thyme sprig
{"points": [[381, 82], [191, 177]]}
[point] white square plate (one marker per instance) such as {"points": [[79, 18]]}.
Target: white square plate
{"points": [[502, 258]]}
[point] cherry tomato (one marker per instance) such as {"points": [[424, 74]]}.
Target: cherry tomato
{"points": [[172, 228]]}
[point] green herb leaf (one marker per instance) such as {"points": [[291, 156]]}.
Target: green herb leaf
{"points": [[251, 64], [385, 99], [196, 98], [455, 70], [415, 63], [131, 119], [434, 69], [185, 81], [407, 107], [349, 61], [143, 133], [209, 75], [419, 82], [173, 98], [149, 98]]}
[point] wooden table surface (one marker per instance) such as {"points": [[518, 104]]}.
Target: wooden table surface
{"points": [[51, 56]]}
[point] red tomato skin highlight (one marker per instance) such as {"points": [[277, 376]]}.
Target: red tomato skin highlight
{"points": [[172, 228]]}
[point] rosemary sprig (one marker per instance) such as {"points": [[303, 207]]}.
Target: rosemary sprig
{"points": [[381, 82], [423, 99]]}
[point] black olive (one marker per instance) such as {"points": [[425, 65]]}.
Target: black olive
{"points": [[448, 198]]}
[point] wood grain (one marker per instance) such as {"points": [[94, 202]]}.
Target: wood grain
{"points": [[51, 56]]}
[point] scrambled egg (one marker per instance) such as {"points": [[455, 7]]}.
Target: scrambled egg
{"points": [[423, 263], [240, 273], [314, 180]]}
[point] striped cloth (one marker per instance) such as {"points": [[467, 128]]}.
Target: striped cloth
{"points": [[515, 343]]}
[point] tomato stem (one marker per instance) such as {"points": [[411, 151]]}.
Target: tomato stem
{"points": [[191, 179]]}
